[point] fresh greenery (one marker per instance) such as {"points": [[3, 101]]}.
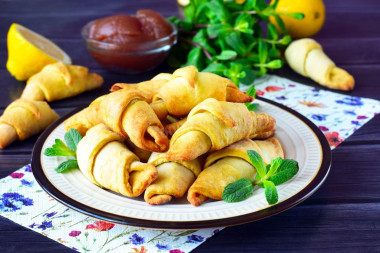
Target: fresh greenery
{"points": [[238, 191], [277, 172], [67, 165], [230, 39], [67, 148]]}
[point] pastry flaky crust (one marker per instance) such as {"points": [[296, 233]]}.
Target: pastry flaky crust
{"points": [[58, 81], [148, 88], [24, 118], [85, 119], [127, 114], [306, 57], [107, 162], [213, 125], [187, 87], [228, 165], [174, 179]]}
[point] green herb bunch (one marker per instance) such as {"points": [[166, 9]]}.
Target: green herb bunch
{"points": [[230, 39], [67, 148], [277, 172]]}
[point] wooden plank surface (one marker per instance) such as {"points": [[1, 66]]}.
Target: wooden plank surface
{"points": [[342, 216]]}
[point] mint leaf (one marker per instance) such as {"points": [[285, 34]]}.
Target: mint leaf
{"points": [[59, 149], [67, 165], [226, 55], [275, 64], [250, 76], [252, 106], [274, 165], [257, 162], [251, 91], [285, 172], [238, 190], [72, 138], [215, 30], [236, 43], [194, 57], [270, 192], [280, 23], [215, 68]]}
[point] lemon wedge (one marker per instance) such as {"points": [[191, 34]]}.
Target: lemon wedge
{"points": [[29, 52]]}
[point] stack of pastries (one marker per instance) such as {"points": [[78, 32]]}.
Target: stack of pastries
{"points": [[186, 132]]}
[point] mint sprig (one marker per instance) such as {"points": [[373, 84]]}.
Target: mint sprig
{"points": [[277, 172], [238, 191], [72, 138], [67, 148], [237, 41], [67, 165]]}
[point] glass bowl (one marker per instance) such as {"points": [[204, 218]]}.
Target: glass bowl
{"points": [[133, 58]]}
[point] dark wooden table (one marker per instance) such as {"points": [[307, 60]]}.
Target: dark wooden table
{"points": [[342, 216]]}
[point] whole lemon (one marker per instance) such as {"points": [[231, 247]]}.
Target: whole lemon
{"points": [[314, 11]]}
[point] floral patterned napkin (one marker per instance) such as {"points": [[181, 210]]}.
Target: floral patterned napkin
{"points": [[23, 201], [337, 116]]}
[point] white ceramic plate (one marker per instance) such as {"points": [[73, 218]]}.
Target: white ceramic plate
{"points": [[301, 141]]}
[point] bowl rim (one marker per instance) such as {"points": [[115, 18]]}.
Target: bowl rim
{"points": [[150, 44]]}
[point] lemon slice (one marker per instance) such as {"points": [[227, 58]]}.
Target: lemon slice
{"points": [[29, 52]]}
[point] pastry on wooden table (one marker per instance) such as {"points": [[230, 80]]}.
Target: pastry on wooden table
{"points": [[187, 87], [106, 161], [58, 81], [306, 57], [228, 165], [213, 125], [24, 118], [174, 179], [128, 114]]}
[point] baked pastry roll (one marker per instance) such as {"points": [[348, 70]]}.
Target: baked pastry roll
{"points": [[174, 178], [148, 88], [187, 87], [213, 125], [306, 57], [142, 154], [107, 162], [85, 119], [228, 165], [58, 81], [24, 118], [127, 114]]}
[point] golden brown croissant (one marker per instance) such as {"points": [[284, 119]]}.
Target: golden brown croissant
{"points": [[142, 154], [306, 57], [106, 161], [127, 114], [174, 179], [213, 125], [85, 119], [59, 80], [228, 165], [148, 88], [187, 87], [24, 118]]}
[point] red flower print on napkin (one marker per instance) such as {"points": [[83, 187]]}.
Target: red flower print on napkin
{"points": [[259, 92], [333, 139], [74, 233], [17, 175], [273, 88], [100, 226]]}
